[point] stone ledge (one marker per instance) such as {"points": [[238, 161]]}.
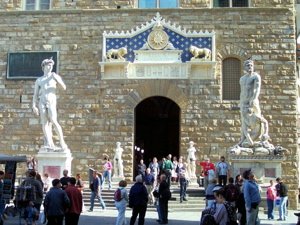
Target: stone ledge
{"points": [[254, 158]]}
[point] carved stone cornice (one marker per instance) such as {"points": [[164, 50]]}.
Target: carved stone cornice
{"points": [[256, 158]]}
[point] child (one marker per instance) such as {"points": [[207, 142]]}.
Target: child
{"points": [[31, 214]]}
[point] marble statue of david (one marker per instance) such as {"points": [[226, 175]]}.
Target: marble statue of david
{"points": [[45, 98]]}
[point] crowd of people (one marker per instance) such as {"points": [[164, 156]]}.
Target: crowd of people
{"points": [[237, 202], [229, 201], [138, 199], [61, 199], [175, 171], [151, 187]]}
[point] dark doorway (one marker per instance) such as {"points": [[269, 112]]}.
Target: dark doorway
{"points": [[156, 129]]}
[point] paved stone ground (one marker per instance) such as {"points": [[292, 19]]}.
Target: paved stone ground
{"points": [[108, 217]]}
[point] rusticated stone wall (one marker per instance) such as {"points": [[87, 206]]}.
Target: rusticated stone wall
{"points": [[127, 4], [96, 113]]}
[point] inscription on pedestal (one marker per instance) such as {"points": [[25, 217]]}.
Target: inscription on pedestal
{"points": [[53, 171]]}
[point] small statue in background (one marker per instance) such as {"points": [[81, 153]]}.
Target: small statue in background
{"points": [[118, 162], [191, 159], [31, 163]]}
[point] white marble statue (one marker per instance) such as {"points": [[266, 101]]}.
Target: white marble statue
{"points": [[254, 125], [118, 162], [191, 159], [45, 97]]}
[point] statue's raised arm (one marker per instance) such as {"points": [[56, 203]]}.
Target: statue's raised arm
{"points": [[59, 80]]}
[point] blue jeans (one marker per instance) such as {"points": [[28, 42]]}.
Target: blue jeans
{"points": [[270, 204], [158, 210], [121, 207], [2, 206], [107, 174], [282, 207], [183, 184], [99, 197]]}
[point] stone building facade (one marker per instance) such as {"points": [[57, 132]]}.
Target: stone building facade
{"points": [[95, 113]]}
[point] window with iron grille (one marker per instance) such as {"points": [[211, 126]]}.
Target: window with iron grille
{"points": [[146, 4], [37, 4], [231, 3], [231, 73]]}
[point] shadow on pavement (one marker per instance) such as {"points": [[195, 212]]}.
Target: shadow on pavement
{"points": [[107, 220]]}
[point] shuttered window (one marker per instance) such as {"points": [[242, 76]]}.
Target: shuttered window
{"points": [[231, 3], [37, 4], [146, 4], [231, 73]]}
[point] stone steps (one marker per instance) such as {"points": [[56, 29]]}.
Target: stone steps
{"points": [[195, 196]]}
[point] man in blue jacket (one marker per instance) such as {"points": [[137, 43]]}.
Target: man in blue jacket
{"points": [[96, 192], [55, 204], [138, 199], [252, 197]]}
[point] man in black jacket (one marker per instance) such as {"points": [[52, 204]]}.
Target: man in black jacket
{"points": [[138, 199], [164, 197], [282, 192]]}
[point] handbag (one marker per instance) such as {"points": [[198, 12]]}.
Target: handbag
{"points": [[155, 194]]}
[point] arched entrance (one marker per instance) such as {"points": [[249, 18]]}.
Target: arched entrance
{"points": [[157, 126]]}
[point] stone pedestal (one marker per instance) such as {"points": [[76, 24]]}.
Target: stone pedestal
{"points": [[265, 167], [117, 179], [193, 181], [54, 162]]}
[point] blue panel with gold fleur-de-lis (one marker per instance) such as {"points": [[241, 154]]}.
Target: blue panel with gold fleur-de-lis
{"points": [[179, 41]]}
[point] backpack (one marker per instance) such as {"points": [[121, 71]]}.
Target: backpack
{"points": [[232, 217], [118, 195], [208, 219], [232, 193], [25, 193]]}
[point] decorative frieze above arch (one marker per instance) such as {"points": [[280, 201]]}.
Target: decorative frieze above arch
{"points": [[158, 50]]}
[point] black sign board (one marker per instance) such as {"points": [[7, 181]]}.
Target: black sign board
{"points": [[27, 65]]}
